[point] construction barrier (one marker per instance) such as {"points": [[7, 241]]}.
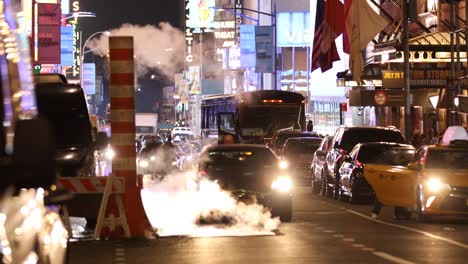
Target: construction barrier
{"points": [[111, 214]]}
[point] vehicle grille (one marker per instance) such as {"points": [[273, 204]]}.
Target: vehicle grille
{"points": [[454, 204], [459, 190]]}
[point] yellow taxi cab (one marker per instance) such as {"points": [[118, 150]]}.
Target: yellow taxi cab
{"points": [[434, 183]]}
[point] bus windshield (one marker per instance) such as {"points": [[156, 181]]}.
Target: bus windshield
{"points": [[269, 119]]}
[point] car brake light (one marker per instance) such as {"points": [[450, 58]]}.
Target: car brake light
{"points": [[204, 173]]}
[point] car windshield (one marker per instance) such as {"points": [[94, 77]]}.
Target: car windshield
{"points": [[270, 119], [302, 146], [386, 155], [240, 158], [447, 159], [354, 136]]}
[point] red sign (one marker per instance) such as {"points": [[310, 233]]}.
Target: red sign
{"points": [[380, 98], [48, 33]]}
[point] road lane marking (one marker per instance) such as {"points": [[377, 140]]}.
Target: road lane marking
{"points": [[368, 249], [338, 235], [348, 239], [447, 240], [328, 231], [392, 258], [358, 245]]}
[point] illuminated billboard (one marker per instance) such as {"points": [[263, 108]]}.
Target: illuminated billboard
{"points": [[200, 14]]}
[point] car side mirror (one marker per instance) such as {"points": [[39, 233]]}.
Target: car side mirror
{"points": [[102, 140], [415, 166]]}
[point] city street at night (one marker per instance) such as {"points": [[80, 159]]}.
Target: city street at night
{"points": [[322, 231]]}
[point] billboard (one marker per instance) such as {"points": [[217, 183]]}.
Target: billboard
{"points": [[247, 46], [89, 78], [264, 48], [194, 80], [66, 46], [293, 29], [48, 33], [200, 14]]}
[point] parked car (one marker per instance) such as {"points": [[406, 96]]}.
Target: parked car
{"points": [[64, 105], [353, 184], [279, 137], [250, 173], [298, 152], [343, 142], [435, 183], [318, 169]]}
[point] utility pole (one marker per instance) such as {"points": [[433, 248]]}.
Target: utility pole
{"points": [[408, 128]]}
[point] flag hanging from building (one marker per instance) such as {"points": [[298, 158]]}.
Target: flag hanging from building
{"points": [[329, 24], [366, 25], [348, 27]]}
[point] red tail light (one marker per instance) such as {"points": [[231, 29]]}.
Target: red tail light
{"points": [[204, 173]]}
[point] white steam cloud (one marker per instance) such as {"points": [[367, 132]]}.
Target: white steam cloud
{"points": [[156, 47], [176, 206]]}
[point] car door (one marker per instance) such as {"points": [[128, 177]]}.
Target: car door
{"points": [[347, 169], [333, 154], [393, 185]]}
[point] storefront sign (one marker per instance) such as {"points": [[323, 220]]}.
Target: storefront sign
{"points": [[89, 78], [66, 47], [393, 79], [264, 47], [48, 33], [247, 46], [293, 29], [239, 19], [391, 97]]}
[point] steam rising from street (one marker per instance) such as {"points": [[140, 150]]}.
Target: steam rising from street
{"points": [[156, 47], [176, 206]]}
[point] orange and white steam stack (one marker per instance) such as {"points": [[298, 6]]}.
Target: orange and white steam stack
{"points": [[122, 98]]}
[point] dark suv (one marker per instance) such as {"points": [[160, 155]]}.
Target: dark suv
{"points": [[343, 142]]}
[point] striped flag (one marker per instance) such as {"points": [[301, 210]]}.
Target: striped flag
{"points": [[329, 25]]}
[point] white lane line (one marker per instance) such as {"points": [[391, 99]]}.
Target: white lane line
{"points": [[329, 231], [119, 249], [358, 245], [392, 258], [120, 254], [348, 239], [338, 235], [368, 249], [448, 240]]}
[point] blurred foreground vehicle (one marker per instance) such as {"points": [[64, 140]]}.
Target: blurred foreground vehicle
{"points": [[354, 186], [29, 231], [251, 173], [298, 153], [64, 105], [435, 183]]}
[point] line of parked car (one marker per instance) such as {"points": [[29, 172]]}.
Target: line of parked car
{"points": [[359, 164]]}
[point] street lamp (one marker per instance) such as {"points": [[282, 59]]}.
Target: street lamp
{"points": [[82, 51]]}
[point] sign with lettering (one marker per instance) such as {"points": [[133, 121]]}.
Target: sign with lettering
{"points": [[247, 46], [392, 79], [48, 33], [66, 46], [89, 78], [264, 47], [293, 29]]}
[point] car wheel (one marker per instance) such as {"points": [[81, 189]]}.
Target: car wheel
{"points": [[402, 213], [337, 190], [315, 184], [354, 196]]}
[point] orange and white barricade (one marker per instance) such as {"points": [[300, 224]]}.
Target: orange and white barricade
{"points": [[112, 213]]}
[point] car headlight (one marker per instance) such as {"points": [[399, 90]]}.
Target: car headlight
{"points": [[152, 158], [283, 164], [435, 185], [143, 163], [283, 184], [109, 153]]}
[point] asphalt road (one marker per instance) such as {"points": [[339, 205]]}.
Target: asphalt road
{"points": [[322, 231]]}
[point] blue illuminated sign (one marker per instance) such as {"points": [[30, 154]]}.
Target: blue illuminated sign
{"points": [[66, 46], [247, 46]]}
